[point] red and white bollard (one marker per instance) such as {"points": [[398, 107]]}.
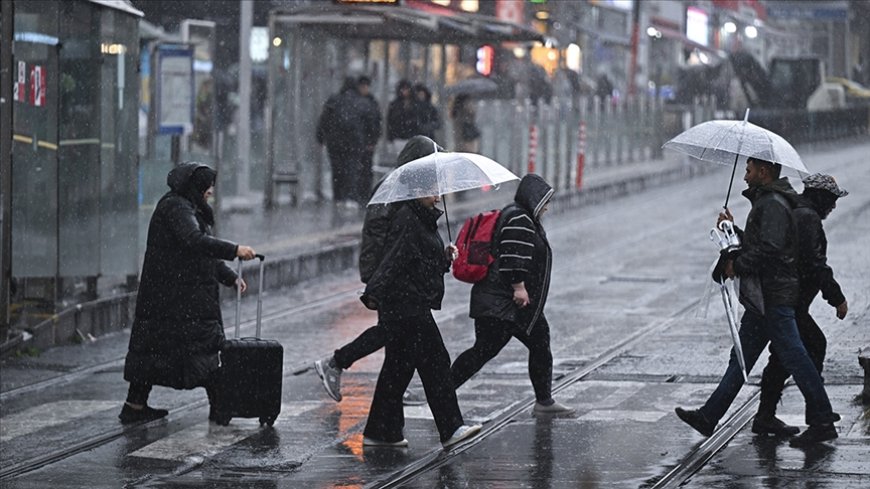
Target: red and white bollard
{"points": [[533, 147], [581, 154]]}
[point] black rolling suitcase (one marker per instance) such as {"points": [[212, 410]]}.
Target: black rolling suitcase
{"points": [[248, 381]]}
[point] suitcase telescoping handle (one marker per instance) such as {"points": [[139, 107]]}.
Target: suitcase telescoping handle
{"points": [[259, 298]]}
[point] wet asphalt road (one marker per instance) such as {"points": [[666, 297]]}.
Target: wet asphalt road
{"points": [[634, 268]]}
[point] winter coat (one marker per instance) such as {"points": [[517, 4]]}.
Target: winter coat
{"points": [[377, 220], [814, 272], [177, 330], [409, 281], [523, 254], [344, 124], [767, 264], [403, 119], [370, 115]]}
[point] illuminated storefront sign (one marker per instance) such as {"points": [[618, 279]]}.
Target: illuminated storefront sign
{"points": [[696, 26]]}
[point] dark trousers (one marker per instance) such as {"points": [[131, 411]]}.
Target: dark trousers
{"points": [[363, 178], [413, 344], [491, 335], [368, 342], [777, 326], [774, 376], [344, 163], [138, 393]]}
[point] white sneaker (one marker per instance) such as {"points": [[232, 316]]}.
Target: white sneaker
{"points": [[330, 375], [371, 442], [556, 410], [464, 432]]}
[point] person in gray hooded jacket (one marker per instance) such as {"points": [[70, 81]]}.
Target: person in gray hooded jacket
{"points": [[509, 302]]}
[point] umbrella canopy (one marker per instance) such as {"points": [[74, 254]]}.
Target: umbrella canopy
{"points": [[724, 141], [721, 141], [471, 86], [440, 174]]}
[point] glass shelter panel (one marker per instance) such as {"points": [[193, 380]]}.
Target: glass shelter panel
{"points": [[34, 151]]}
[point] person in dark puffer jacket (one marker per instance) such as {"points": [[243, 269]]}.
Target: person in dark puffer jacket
{"points": [[375, 231], [815, 275], [509, 302], [177, 329]]}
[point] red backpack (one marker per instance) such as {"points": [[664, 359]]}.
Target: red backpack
{"points": [[474, 244]]}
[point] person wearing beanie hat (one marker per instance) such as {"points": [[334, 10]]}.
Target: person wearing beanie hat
{"points": [[177, 328], [374, 235], [814, 275]]}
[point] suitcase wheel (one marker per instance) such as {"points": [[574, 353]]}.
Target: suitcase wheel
{"points": [[267, 420]]}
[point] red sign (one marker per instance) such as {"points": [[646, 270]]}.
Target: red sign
{"points": [[37, 86]]}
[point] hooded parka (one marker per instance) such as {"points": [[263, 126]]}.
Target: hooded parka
{"points": [[177, 330], [409, 281], [815, 273], [523, 254], [377, 220]]}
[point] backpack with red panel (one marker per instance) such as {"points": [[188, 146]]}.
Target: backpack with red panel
{"points": [[475, 247]]}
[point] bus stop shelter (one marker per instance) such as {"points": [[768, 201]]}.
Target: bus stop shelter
{"points": [[313, 48]]}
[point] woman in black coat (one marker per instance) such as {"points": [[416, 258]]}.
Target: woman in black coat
{"points": [[177, 329], [510, 301], [406, 286]]}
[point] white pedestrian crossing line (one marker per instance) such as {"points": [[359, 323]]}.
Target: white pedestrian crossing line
{"points": [[50, 414], [204, 439], [611, 415], [207, 439]]}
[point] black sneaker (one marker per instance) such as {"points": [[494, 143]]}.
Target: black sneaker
{"points": [[129, 415], [771, 425], [696, 420], [814, 434]]}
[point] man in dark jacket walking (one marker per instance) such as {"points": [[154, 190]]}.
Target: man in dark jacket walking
{"points": [[814, 275], [372, 248], [342, 129], [510, 301], [769, 292], [177, 328]]}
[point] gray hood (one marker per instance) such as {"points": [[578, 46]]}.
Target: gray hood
{"points": [[533, 193]]}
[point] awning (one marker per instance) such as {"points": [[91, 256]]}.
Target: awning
{"points": [[122, 5], [396, 22]]}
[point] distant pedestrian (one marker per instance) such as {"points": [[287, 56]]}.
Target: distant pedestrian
{"points": [[429, 119], [402, 116], [370, 114], [769, 292], [342, 130], [177, 328], [814, 274], [375, 237], [466, 134], [407, 284], [509, 302]]}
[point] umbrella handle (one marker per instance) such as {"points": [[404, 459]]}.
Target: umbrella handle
{"points": [[731, 182], [447, 218]]}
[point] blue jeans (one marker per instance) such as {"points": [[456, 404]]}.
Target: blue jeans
{"points": [[779, 327]]}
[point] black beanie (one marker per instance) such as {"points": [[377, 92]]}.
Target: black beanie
{"points": [[202, 178]]}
